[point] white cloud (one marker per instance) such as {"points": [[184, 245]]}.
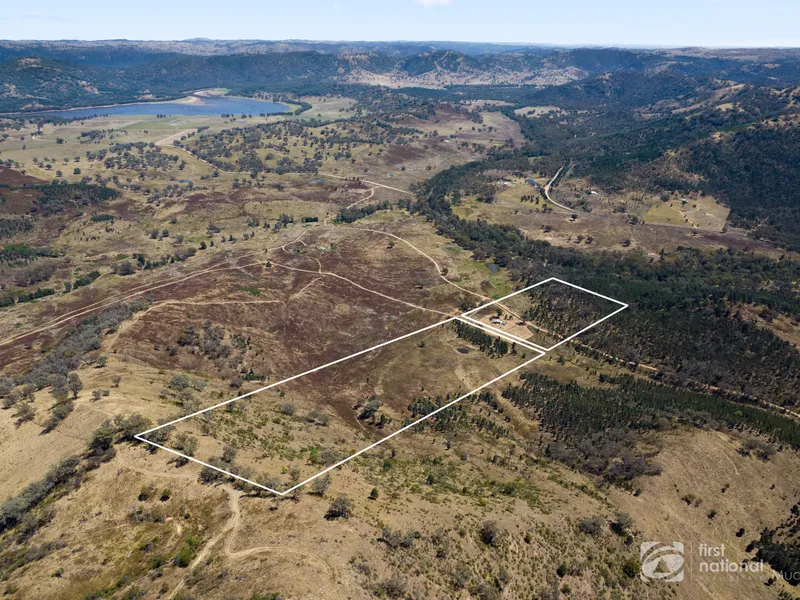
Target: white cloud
{"points": [[427, 3]]}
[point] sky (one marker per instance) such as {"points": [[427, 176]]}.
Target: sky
{"points": [[590, 22]]}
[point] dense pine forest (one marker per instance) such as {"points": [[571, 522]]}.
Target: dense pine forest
{"points": [[683, 305], [603, 430]]}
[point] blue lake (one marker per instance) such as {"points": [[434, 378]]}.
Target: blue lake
{"points": [[208, 106]]}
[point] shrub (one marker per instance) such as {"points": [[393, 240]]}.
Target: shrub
{"points": [[209, 475], [631, 568], [486, 591], [328, 457], [58, 413], [13, 509], [394, 587], [25, 412], [318, 417], [228, 454], [87, 279], [131, 425], [396, 539], [35, 274], [592, 525], [186, 553], [186, 444], [103, 437], [341, 508], [10, 399], [623, 523], [491, 534], [461, 576], [321, 484], [287, 408], [74, 384], [125, 268]]}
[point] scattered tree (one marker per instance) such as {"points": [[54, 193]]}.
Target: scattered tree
{"points": [[340, 508]]}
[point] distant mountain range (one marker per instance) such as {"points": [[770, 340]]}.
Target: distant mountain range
{"points": [[126, 53], [38, 75]]}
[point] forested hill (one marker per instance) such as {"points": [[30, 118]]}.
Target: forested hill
{"points": [[40, 75], [757, 172], [728, 119], [672, 132], [680, 317], [121, 53]]}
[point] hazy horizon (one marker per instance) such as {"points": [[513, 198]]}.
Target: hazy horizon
{"points": [[619, 23], [402, 41]]}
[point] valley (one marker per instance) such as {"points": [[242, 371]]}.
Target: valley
{"points": [[166, 274]]}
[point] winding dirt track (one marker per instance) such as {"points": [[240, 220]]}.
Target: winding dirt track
{"points": [[439, 269], [120, 297], [364, 199], [193, 155], [167, 141], [142, 289], [388, 187], [207, 547], [359, 286], [236, 518], [547, 191], [231, 529], [146, 288]]}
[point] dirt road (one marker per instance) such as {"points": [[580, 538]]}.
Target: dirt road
{"points": [[547, 191], [230, 531], [388, 187]]}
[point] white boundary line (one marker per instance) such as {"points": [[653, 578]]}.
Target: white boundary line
{"points": [[497, 331], [417, 422], [622, 306], [482, 326], [303, 374], [463, 318], [140, 436]]}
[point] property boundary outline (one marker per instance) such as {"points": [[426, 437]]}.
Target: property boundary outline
{"points": [[464, 318]]}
